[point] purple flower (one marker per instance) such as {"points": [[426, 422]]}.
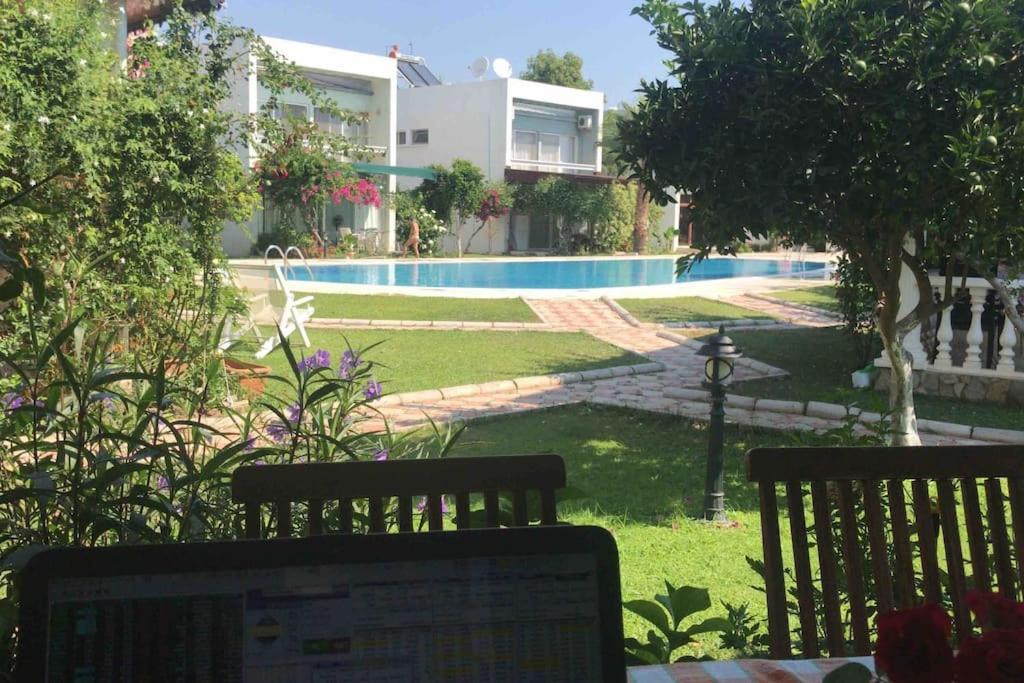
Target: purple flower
{"points": [[349, 362], [105, 399], [320, 359], [260, 463], [382, 454], [12, 401], [373, 390], [422, 505], [294, 411], [277, 431], [249, 444], [163, 483]]}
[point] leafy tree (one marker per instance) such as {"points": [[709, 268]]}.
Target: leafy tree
{"points": [[613, 163], [871, 125], [547, 67], [495, 203], [116, 182], [454, 194]]}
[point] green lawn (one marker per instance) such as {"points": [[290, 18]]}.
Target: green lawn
{"points": [[643, 474], [397, 307], [820, 361], [823, 296], [684, 309], [410, 360]]}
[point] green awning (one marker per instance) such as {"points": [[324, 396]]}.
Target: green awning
{"points": [[383, 169]]}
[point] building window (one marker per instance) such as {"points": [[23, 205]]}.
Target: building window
{"points": [[357, 132], [528, 145], [292, 112], [525, 146], [401, 137], [421, 136], [328, 123]]}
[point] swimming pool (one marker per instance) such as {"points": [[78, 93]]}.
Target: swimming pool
{"points": [[551, 273]]}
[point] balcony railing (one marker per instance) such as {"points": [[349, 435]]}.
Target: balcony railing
{"points": [[552, 166]]}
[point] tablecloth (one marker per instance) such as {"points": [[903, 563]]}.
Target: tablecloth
{"points": [[743, 671]]}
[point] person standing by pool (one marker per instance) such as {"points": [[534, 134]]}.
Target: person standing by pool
{"points": [[414, 239]]}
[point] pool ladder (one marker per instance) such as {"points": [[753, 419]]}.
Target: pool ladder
{"points": [[284, 257]]}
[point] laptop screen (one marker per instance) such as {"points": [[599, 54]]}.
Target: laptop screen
{"points": [[500, 618]]}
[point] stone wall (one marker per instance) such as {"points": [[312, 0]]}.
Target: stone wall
{"points": [[965, 387]]}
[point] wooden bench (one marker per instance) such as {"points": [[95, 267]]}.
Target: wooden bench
{"points": [[847, 493], [378, 482]]}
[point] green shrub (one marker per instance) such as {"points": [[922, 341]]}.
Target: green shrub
{"points": [[409, 205], [857, 302], [96, 453]]}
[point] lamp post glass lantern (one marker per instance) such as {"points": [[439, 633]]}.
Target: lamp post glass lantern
{"points": [[721, 355]]}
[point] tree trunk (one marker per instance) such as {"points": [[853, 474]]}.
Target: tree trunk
{"points": [[901, 394], [470, 240], [1009, 303], [903, 417], [643, 206]]}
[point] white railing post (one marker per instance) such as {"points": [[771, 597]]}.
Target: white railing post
{"points": [[944, 336], [1007, 348], [975, 336]]}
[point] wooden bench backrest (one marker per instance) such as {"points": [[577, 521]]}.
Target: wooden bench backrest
{"points": [[406, 480], [941, 507]]}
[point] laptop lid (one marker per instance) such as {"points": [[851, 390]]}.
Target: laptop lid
{"points": [[539, 604]]}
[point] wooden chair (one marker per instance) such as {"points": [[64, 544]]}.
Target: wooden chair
{"points": [[376, 482], [849, 501]]}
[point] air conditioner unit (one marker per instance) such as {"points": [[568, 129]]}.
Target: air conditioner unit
{"points": [[585, 122]]}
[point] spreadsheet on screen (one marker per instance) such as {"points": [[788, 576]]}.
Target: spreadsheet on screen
{"points": [[480, 619]]}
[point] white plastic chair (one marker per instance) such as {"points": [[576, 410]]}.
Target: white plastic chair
{"points": [[268, 289]]}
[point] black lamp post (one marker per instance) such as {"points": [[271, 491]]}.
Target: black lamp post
{"points": [[721, 354]]}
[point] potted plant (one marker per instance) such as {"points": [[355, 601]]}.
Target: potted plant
{"points": [[251, 376], [349, 243]]}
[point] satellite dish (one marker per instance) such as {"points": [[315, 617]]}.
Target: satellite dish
{"points": [[502, 67], [479, 67]]}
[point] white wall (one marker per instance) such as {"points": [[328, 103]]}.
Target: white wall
{"points": [[237, 239], [669, 219], [465, 120], [381, 71], [473, 121]]}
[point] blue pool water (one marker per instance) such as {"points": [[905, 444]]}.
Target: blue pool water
{"points": [[545, 274]]}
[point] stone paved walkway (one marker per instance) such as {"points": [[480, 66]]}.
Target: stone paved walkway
{"points": [[655, 391], [659, 389], [682, 368]]}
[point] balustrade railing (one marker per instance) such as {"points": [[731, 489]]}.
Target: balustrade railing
{"points": [[973, 337]]}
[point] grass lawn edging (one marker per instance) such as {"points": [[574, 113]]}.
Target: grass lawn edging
{"points": [[517, 385], [794, 304], [693, 324], [328, 323], [835, 411], [622, 312]]}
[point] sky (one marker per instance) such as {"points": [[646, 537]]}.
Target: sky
{"points": [[616, 48]]}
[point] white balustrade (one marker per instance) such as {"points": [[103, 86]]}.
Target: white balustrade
{"points": [[944, 336], [1001, 362], [1007, 348], [975, 335]]}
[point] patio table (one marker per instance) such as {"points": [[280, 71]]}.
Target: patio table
{"points": [[743, 671]]}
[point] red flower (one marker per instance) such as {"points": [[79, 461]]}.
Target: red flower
{"points": [[995, 610], [913, 645], [996, 657]]}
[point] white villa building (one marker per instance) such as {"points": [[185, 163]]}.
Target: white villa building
{"points": [[357, 82], [514, 130]]}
